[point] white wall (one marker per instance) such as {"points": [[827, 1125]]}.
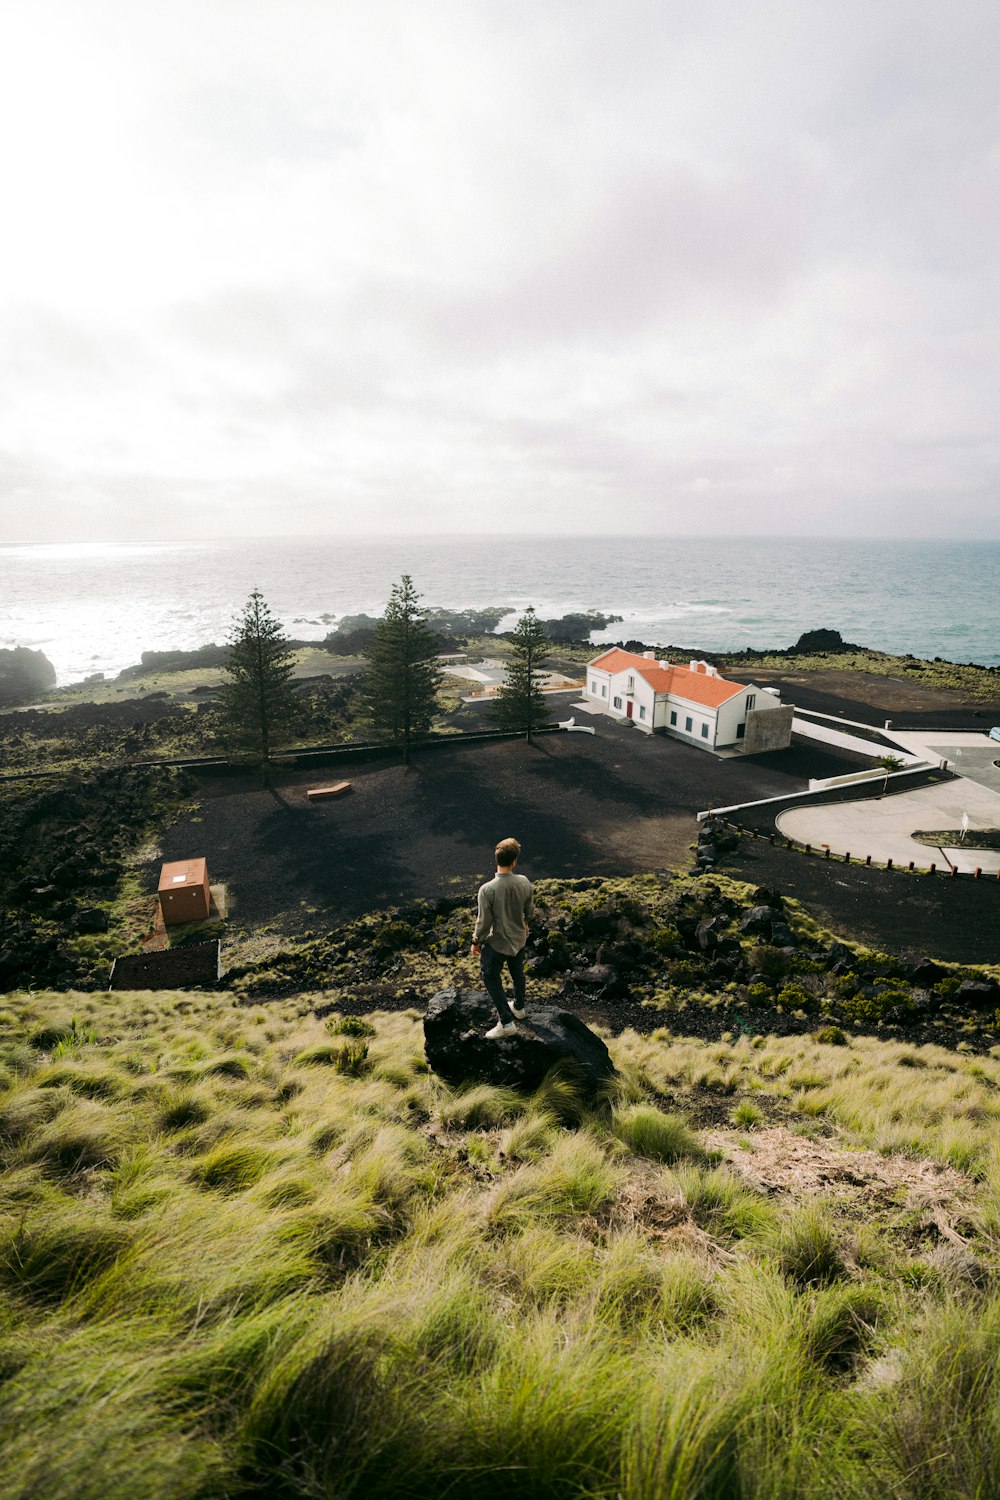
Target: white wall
{"points": [[734, 712], [642, 696], [597, 678], [697, 713]]}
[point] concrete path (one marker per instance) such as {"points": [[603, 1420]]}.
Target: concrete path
{"points": [[842, 739], [882, 826]]}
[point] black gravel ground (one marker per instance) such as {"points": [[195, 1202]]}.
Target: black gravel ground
{"points": [[617, 802], [956, 919], [794, 689]]}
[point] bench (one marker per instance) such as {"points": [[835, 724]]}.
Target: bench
{"points": [[320, 793]]}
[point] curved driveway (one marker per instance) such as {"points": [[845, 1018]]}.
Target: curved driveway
{"points": [[882, 827]]}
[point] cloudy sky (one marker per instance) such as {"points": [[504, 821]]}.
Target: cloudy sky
{"points": [[301, 266]]}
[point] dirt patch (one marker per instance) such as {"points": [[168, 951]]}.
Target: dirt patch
{"points": [[662, 1216], [777, 1162]]}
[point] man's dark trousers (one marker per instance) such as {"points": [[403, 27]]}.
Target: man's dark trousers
{"points": [[492, 964]]}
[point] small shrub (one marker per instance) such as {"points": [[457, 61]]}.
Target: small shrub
{"points": [[664, 941], [397, 935], [794, 997], [350, 1026], [352, 1059], [767, 960], [831, 1036], [760, 994]]}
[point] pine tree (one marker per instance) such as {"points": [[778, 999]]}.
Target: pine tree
{"points": [[519, 704], [402, 679], [258, 701]]}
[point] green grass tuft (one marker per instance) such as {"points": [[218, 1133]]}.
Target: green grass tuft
{"points": [[650, 1132]]}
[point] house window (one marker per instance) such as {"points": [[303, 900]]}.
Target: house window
{"points": [[604, 690], [704, 731], [687, 725], [642, 710], [630, 686], [751, 700], [593, 687], [673, 716], [618, 703]]}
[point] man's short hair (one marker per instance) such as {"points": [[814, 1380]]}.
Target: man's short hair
{"points": [[507, 851]]}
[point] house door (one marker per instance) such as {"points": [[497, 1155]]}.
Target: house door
{"points": [[628, 708]]}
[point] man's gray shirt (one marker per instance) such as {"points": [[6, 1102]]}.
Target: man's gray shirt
{"points": [[505, 904]]}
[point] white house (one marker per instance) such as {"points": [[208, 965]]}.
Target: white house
{"points": [[692, 702]]}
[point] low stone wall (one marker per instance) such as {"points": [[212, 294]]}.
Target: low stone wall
{"points": [[768, 729]]}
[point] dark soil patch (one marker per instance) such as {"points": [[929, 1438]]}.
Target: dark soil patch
{"points": [[973, 838], [955, 919]]}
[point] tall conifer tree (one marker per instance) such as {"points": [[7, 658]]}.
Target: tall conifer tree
{"points": [[519, 704], [403, 676], [258, 702]]}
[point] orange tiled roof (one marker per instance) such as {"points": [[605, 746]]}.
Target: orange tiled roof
{"points": [[616, 660], [696, 687]]}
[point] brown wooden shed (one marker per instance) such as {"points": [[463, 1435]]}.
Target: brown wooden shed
{"points": [[183, 891]]}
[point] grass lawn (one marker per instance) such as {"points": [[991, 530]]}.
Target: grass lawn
{"points": [[248, 1252]]}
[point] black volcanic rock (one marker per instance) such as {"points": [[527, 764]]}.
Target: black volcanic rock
{"points": [[822, 640], [459, 1051], [23, 675]]}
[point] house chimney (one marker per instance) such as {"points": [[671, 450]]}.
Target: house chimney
{"points": [[663, 663], [649, 655]]}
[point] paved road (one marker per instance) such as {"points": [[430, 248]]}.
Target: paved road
{"points": [[974, 756]]}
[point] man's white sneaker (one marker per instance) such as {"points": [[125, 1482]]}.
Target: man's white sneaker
{"points": [[518, 1015], [501, 1030]]}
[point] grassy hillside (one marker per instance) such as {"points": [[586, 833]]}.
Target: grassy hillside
{"points": [[246, 1251]]}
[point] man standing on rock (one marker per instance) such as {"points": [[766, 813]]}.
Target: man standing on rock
{"points": [[505, 904]]}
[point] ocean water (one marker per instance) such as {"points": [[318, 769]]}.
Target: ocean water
{"points": [[95, 607]]}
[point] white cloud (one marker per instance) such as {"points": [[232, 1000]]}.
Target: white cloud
{"points": [[307, 264]]}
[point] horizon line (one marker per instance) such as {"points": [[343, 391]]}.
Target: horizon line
{"points": [[418, 536]]}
